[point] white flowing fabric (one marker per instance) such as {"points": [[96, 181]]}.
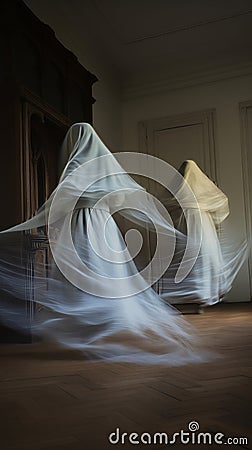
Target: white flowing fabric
{"points": [[217, 264], [100, 305]]}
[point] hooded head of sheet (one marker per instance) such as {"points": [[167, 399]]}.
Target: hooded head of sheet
{"points": [[90, 171], [209, 197]]}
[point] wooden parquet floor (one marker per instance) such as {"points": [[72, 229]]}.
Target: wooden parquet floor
{"points": [[53, 399]]}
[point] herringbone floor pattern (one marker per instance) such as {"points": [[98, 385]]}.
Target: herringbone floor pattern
{"points": [[52, 399]]}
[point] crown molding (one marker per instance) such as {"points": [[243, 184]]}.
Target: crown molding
{"points": [[174, 81]]}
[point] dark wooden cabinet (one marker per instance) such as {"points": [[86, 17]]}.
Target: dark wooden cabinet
{"points": [[43, 90]]}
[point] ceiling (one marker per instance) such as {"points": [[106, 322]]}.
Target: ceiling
{"points": [[145, 39]]}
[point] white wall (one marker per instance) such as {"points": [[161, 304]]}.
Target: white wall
{"points": [[224, 96], [81, 40]]}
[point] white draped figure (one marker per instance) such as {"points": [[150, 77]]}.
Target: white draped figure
{"points": [[217, 264]]}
